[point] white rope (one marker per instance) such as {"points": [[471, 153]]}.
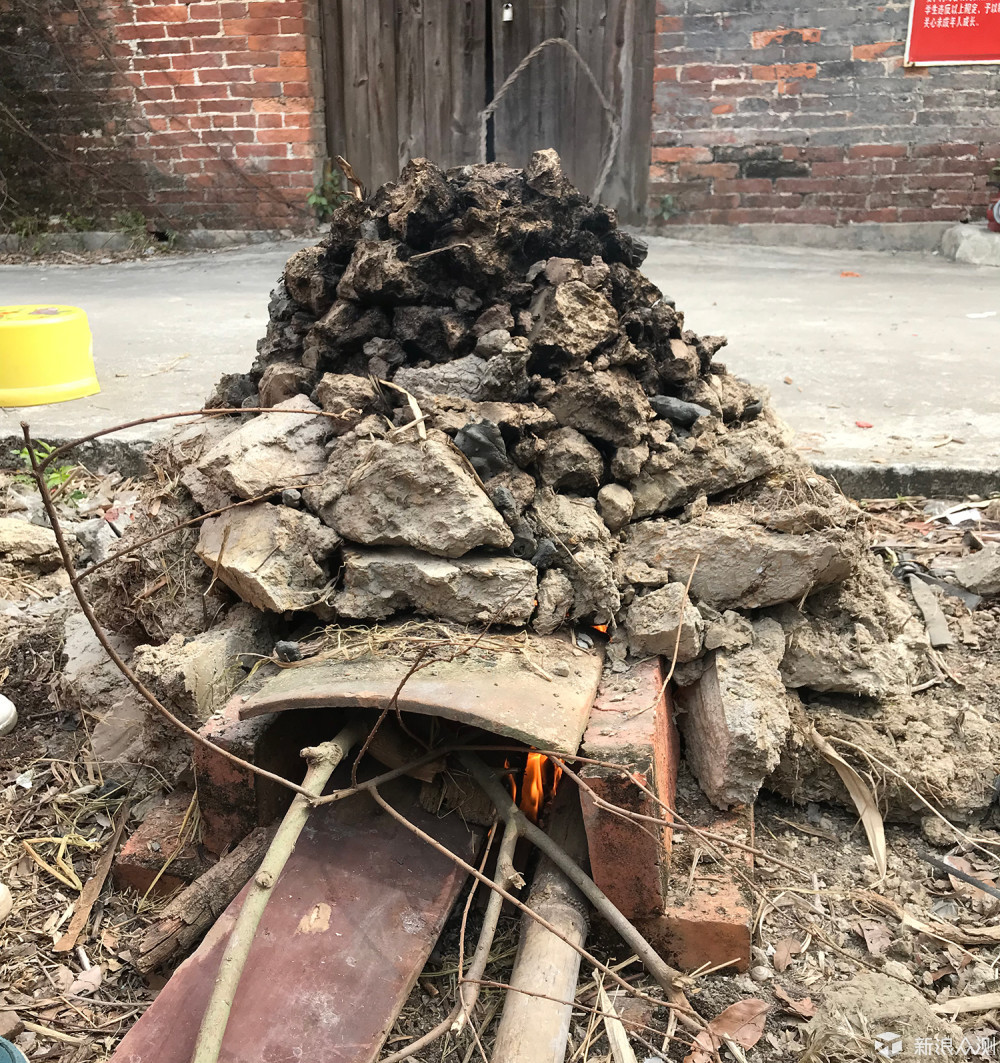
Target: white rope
{"points": [[614, 124]]}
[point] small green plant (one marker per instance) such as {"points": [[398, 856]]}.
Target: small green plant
{"points": [[55, 475], [328, 194], [26, 225], [78, 223], [668, 208], [130, 221]]}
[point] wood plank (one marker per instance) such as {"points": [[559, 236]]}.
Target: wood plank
{"points": [[358, 117], [632, 60], [468, 64], [353, 918], [382, 132], [410, 127], [438, 86], [511, 43], [331, 30], [592, 135]]}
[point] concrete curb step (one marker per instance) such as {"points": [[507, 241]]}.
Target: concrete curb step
{"points": [[856, 479], [193, 240]]}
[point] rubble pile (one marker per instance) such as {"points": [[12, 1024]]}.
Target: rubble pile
{"points": [[508, 424]]}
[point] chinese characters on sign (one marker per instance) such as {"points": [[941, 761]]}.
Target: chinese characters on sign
{"points": [[953, 31]]}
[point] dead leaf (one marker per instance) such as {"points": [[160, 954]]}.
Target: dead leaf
{"points": [[963, 888], [87, 981], [784, 951], [63, 977], [871, 818], [804, 1008], [876, 935], [743, 1023]]}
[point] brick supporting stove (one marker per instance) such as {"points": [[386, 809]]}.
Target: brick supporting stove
{"points": [[632, 723]]}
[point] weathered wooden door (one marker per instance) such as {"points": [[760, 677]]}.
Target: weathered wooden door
{"points": [[406, 78]]}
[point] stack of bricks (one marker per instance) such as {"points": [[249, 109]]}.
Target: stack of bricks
{"points": [[228, 120], [759, 118]]}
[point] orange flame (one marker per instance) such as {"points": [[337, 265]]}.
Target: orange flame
{"points": [[603, 628], [541, 776]]}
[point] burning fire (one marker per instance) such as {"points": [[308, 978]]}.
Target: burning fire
{"points": [[541, 777], [603, 628]]}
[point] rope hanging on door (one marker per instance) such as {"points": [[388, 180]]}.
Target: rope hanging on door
{"points": [[614, 123]]}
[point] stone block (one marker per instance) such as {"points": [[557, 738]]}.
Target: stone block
{"points": [[273, 557], [378, 583], [269, 452], [735, 718], [741, 565]]}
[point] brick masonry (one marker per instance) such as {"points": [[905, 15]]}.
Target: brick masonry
{"points": [[787, 112], [205, 112]]}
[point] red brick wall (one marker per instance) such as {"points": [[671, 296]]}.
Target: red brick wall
{"points": [[202, 113], [805, 113]]}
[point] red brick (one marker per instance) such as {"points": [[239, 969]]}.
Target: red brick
{"points": [[284, 136], [630, 724], [710, 928], [669, 24], [877, 151], [162, 13], [870, 52], [178, 77], [250, 26], [666, 73], [706, 72], [295, 88], [954, 151], [762, 38], [682, 154], [166, 47], [227, 106], [722, 108], [138, 33], [275, 43], [783, 71], [275, 8], [145, 854], [266, 73], [199, 92], [193, 29], [227, 45], [697, 170], [197, 61], [142, 63], [225, 75]]}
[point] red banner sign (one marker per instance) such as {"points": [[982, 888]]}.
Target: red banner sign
{"points": [[953, 31]]}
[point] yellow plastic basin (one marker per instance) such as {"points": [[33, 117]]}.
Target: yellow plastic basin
{"points": [[46, 355]]}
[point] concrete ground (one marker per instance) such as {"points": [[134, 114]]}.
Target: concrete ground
{"points": [[907, 343]]}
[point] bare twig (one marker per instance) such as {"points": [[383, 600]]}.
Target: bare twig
{"points": [[688, 1015], [669, 979]]}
